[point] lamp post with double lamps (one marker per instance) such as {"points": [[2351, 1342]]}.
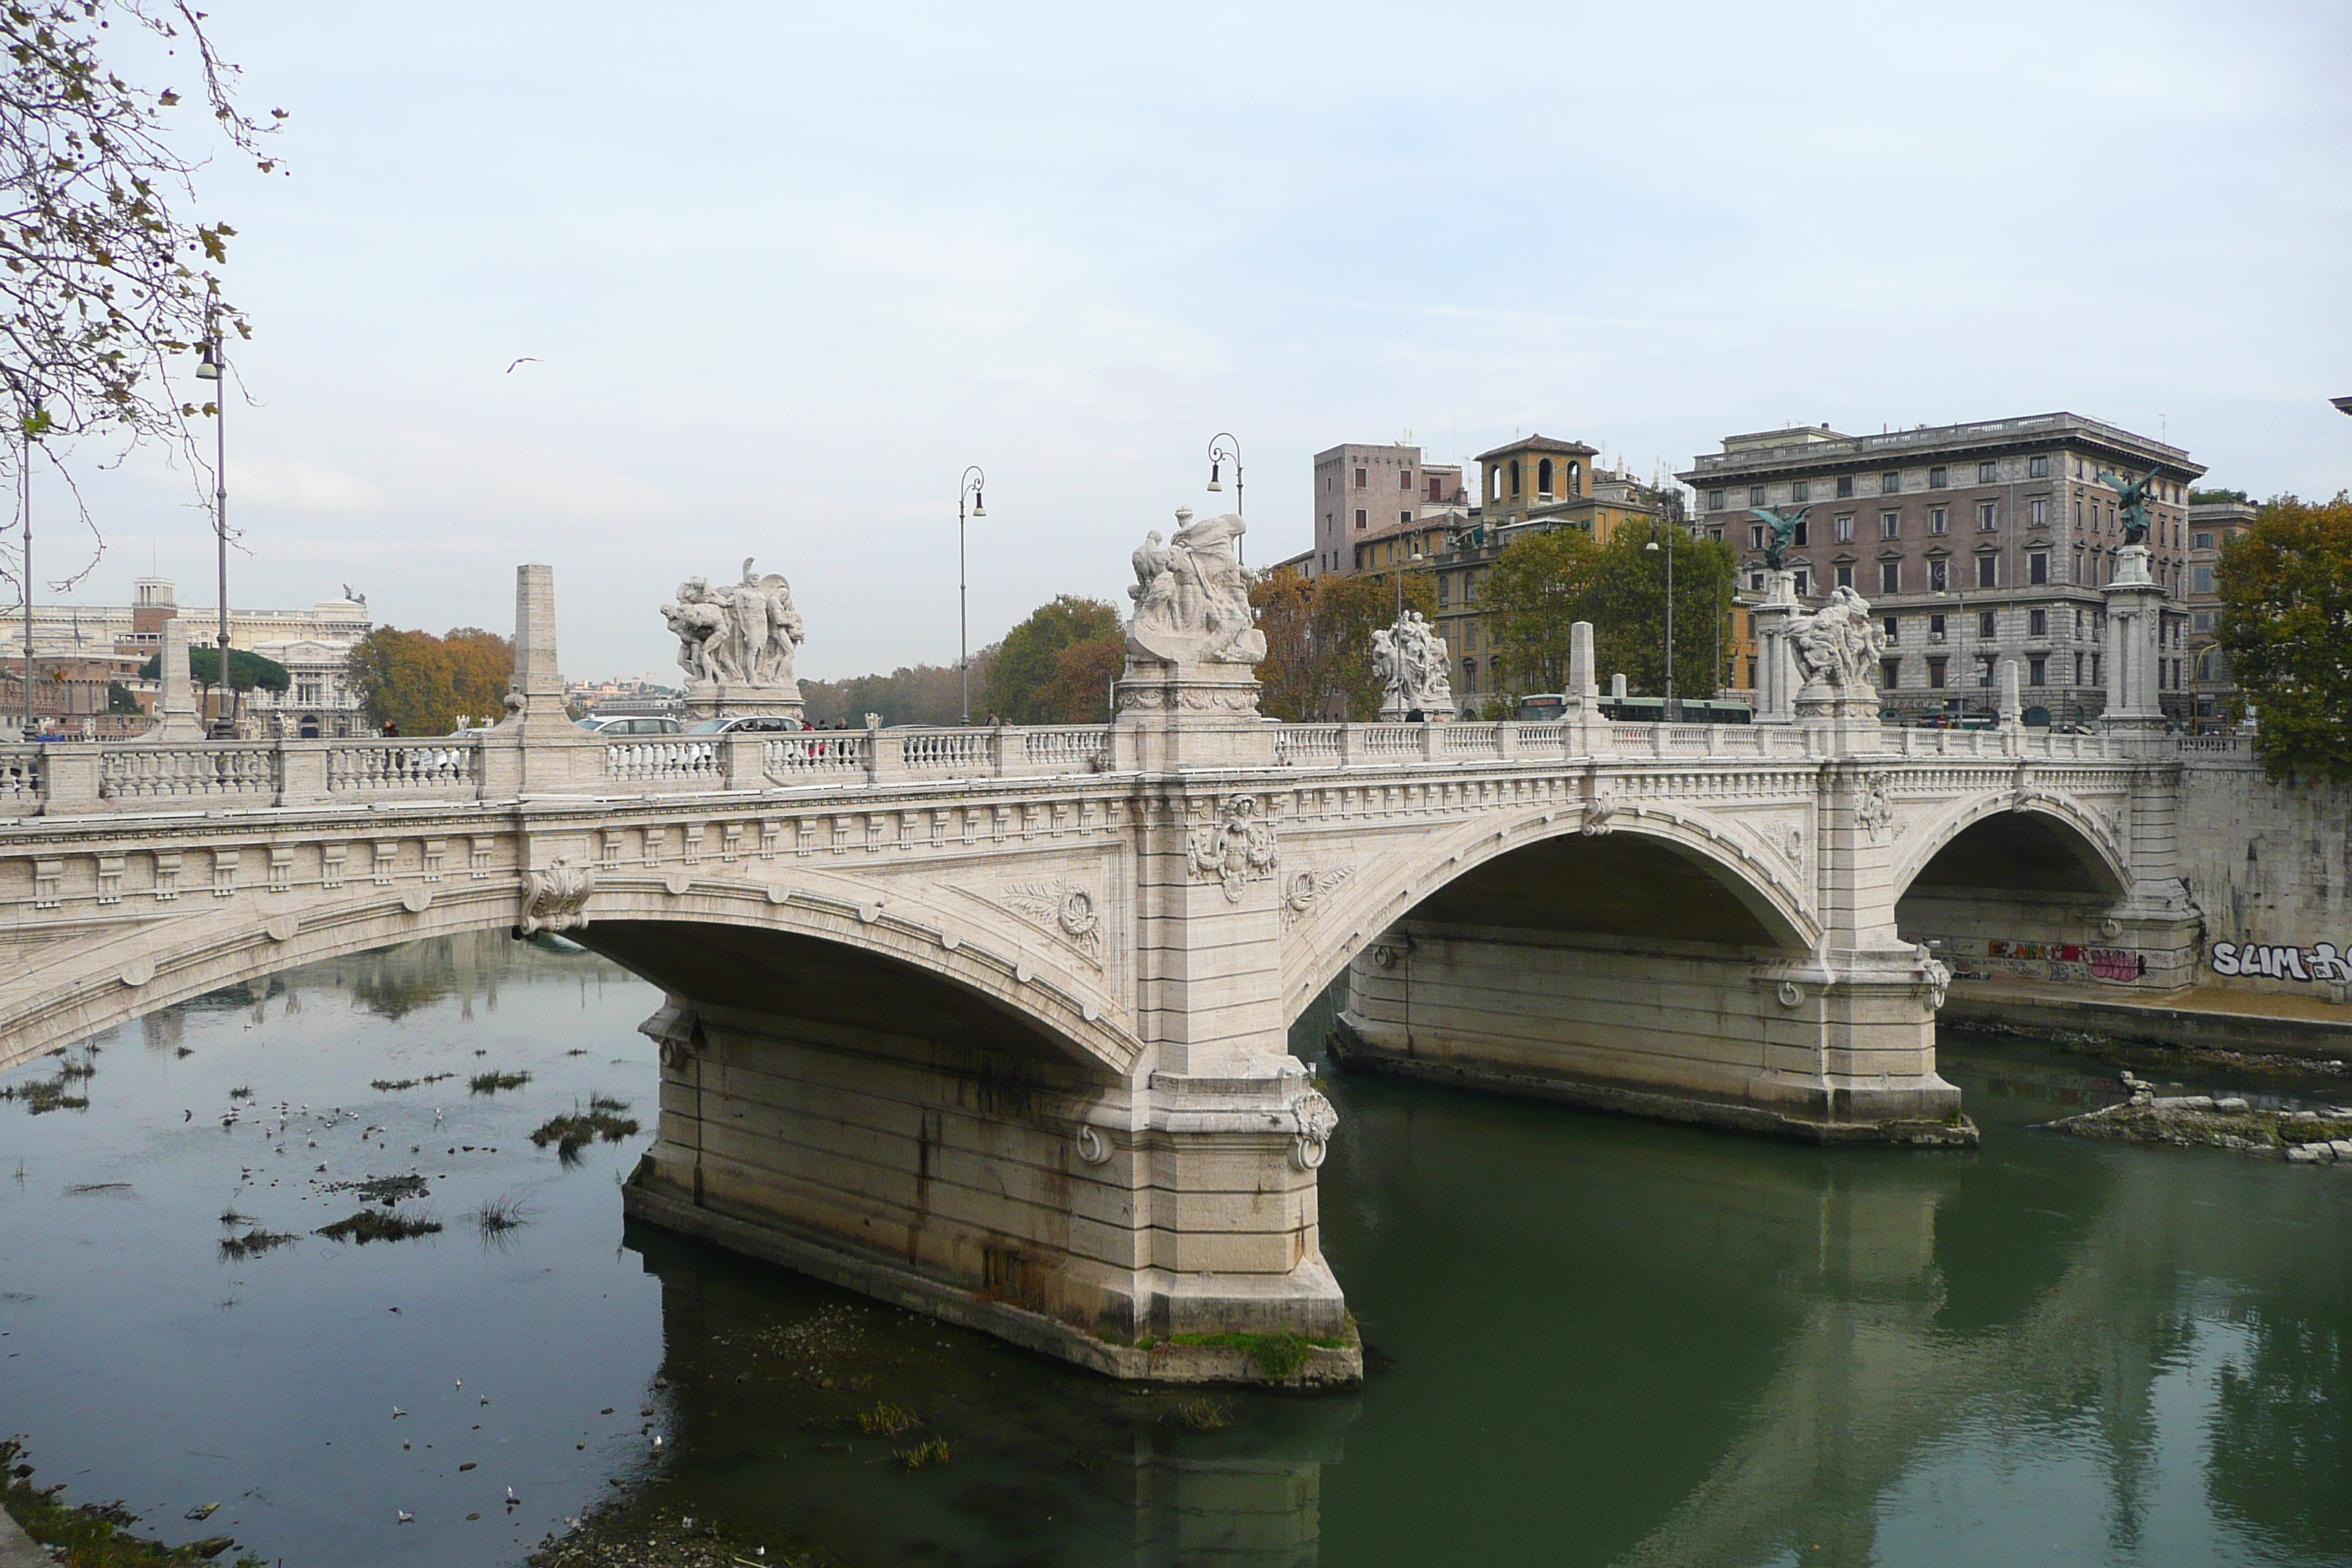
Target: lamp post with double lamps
{"points": [[1673, 710], [971, 488]]}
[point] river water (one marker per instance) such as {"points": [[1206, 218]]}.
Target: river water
{"points": [[1594, 1340]]}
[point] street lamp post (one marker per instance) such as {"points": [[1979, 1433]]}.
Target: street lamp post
{"points": [[972, 488], [1223, 449], [27, 500], [211, 365], [1674, 713]]}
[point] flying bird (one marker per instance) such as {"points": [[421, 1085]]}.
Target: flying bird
{"points": [[527, 358]]}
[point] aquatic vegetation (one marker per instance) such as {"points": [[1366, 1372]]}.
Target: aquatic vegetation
{"points": [[491, 1082], [934, 1452], [392, 1085], [252, 1244], [575, 1129], [1205, 1414], [501, 1215], [374, 1224], [384, 1190], [606, 1102], [887, 1420], [94, 1535]]}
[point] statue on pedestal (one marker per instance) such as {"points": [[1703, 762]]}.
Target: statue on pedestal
{"points": [[1192, 601], [740, 638], [2131, 503], [1412, 665], [1783, 526], [1838, 645]]}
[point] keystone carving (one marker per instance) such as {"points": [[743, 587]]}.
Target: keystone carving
{"points": [[1597, 813], [1316, 1117], [556, 899], [1236, 849]]}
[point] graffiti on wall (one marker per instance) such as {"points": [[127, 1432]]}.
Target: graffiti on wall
{"points": [[1985, 958], [2320, 962]]}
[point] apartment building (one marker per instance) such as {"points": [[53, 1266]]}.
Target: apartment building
{"points": [[1365, 494], [1975, 544], [2215, 517]]}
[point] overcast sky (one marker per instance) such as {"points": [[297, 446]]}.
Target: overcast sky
{"points": [[785, 270]]}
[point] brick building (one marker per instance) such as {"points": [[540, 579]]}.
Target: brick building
{"points": [[2213, 521], [1975, 544]]}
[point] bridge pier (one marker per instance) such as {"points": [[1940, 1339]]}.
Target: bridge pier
{"points": [[1834, 1050], [1118, 1224]]}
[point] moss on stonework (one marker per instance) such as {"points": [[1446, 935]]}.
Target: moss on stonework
{"points": [[94, 1535], [1277, 1357]]}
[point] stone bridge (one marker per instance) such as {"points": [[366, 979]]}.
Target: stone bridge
{"points": [[993, 1022]]}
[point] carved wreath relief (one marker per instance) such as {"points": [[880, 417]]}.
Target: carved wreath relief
{"points": [[1236, 849], [556, 898], [1306, 888], [1063, 907]]}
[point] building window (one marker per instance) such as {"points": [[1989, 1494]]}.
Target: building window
{"points": [[1987, 626], [1404, 478], [1890, 578], [1845, 528], [2038, 466], [1359, 517], [1936, 673], [1988, 473], [1755, 586], [2037, 567], [1804, 526], [1444, 589], [1936, 626], [1543, 479], [1802, 490], [1890, 674], [1984, 670], [1890, 483], [1405, 518], [1893, 629], [2037, 512], [1890, 525], [1469, 675], [1939, 520], [1937, 479], [2078, 669], [1755, 495], [1714, 500], [1845, 577], [2201, 581], [2201, 621], [1845, 486], [2201, 541], [1437, 490], [1359, 479], [1988, 516], [1469, 587], [1939, 577], [1755, 536], [1804, 582], [1514, 476], [2037, 670], [1987, 570], [2037, 623]]}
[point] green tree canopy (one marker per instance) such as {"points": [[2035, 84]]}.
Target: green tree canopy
{"points": [[247, 669], [2286, 585], [425, 684], [1546, 582], [1318, 640], [1020, 681], [1079, 692]]}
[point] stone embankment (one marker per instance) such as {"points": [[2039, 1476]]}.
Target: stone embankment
{"points": [[2188, 1121]]}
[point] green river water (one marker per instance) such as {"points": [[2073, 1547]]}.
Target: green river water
{"points": [[1593, 1340]]}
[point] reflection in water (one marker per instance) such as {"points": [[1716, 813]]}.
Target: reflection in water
{"points": [[1595, 1341]]}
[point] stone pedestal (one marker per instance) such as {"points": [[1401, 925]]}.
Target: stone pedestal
{"points": [[1776, 662], [2134, 645], [176, 719], [712, 701], [1180, 714]]}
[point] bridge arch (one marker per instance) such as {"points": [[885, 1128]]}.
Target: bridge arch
{"points": [[1022, 997], [2071, 847], [1742, 897]]}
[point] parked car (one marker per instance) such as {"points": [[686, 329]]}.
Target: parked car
{"points": [[763, 724], [630, 724]]}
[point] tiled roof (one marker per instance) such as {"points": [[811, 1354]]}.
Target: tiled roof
{"points": [[1540, 443]]}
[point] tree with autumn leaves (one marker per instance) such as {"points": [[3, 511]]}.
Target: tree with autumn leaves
{"points": [[2285, 625], [425, 684]]}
